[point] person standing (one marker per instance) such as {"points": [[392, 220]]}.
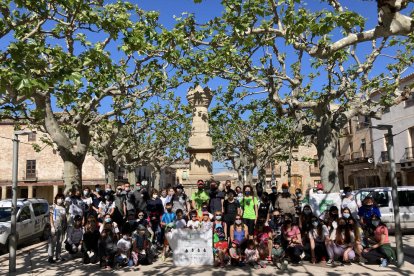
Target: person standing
{"points": [[273, 196], [198, 197], [129, 199], [286, 201], [348, 201], [227, 187], [76, 205], [249, 205], [231, 209], [216, 198], [58, 225], [119, 200], [179, 200], [141, 197]]}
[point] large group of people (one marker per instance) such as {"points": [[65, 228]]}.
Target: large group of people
{"points": [[127, 227]]}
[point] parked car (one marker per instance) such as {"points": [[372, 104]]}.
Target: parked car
{"points": [[383, 199], [32, 221]]}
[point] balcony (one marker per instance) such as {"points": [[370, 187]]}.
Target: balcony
{"points": [[384, 156], [314, 170], [30, 176], [408, 153]]}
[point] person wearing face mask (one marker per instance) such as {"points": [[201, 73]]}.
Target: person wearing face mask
{"points": [[273, 196], [76, 204], [249, 208], [179, 200], [108, 189], [276, 222], [220, 243], [231, 209], [141, 197], [106, 206], [167, 222], [198, 197], [379, 250], [87, 199], [305, 220], [366, 211], [343, 241], [239, 231], [318, 236], [123, 257], [154, 211], [74, 236], [216, 198], [286, 201], [349, 202], [58, 224], [108, 223], [292, 240], [90, 241], [227, 187], [129, 200], [264, 209], [119, 203]]}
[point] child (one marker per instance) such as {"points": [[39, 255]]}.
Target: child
{"points": [[235, 254], [58, 224], [220, 238], [278, 253], [206, 224], [180, 221], [252, 255], [167, 222], [193, 223], [107, 248], [124, 245], [141, 247]]}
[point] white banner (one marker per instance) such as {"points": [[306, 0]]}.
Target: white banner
{"points": [[191, 247], [321, 202]]}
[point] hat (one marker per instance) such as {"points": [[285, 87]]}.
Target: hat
{"points": [[206, 214], [285, 186], [319, 186], [235, 242], [180, 186]]}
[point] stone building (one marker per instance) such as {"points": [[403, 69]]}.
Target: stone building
{"points": [[40, 174], [305, 173], [363, 156]]}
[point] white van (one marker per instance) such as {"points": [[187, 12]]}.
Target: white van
{"points": [[32, 220], [383, 199]]}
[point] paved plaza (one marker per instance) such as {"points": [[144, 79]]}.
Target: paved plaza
{"points": [[32, 261]]}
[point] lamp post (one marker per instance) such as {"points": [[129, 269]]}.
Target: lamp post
{"points": [[13, 236], [394, 193]]}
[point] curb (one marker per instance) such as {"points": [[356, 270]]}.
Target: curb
{"points": [[26, 249]]}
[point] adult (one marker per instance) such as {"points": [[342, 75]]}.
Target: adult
{"points": [[76, 205], [264, 209], [119, 212], [90, 241], [249, 205], [239, 193], [276, 223], [199, 197], [109, 224], [141, 197], [366, 211], [293, 240], [318, 235], [106, 206], [58, 225], [286, 201], [341, 244], [216, 200], [180, 200], [305, 220], [348, 201], [227, 187], [380, 251], [273, 196], [259, 190], [129, 200], [87, 198], [239, 231], [231, 209], [154, 211]]}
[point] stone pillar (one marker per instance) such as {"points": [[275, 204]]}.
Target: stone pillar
{"points": [[3, 192], [403, 178], [55, 191], [200, 145], [30, 191]]}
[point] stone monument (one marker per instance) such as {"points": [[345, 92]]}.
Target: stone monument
{"points": [[200, 145]]}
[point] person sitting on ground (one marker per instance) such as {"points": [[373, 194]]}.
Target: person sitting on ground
{"points": [[109, 224], [380, 250], [124, 245], [342, 244], [235, 254], [278, 253], [239, 232], [107, 248], [167, 223], [141, 247], [318, 235], [220, 243], [293, 240], [252, 255], [74, 236], [90, 241], [264, 236]]}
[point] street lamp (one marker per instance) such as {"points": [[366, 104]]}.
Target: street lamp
{"points": [[394, 193], [12, 237]]}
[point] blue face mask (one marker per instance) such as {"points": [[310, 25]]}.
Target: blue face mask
{"points": [[346, 215], [108, 220], [247, 193]]}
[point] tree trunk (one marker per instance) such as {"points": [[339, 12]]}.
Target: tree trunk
{"points": [[72, 175], [156, 178], [326, 144], [111, 173], [261, 173], [132, 176], [249, 175]]}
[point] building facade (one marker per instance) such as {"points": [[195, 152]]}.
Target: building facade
{"points": [[304, 169]]}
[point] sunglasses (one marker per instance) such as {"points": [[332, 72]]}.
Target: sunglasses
{"points": [[140, 216], [193, 216]]}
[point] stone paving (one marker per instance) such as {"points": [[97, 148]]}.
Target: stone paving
{"points": [[32, 260]]}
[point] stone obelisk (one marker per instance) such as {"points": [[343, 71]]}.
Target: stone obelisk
{"points": [[200, 146]]}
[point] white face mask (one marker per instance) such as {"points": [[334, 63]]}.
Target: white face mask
{"points": [[59, 201], [154, 196], [375, 223]]}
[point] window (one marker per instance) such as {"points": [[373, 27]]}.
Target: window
{"points": [[381, 198], [24, 214], [40, 209], [30, 169], [406, 198], [363, 147], [31, 137]]}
